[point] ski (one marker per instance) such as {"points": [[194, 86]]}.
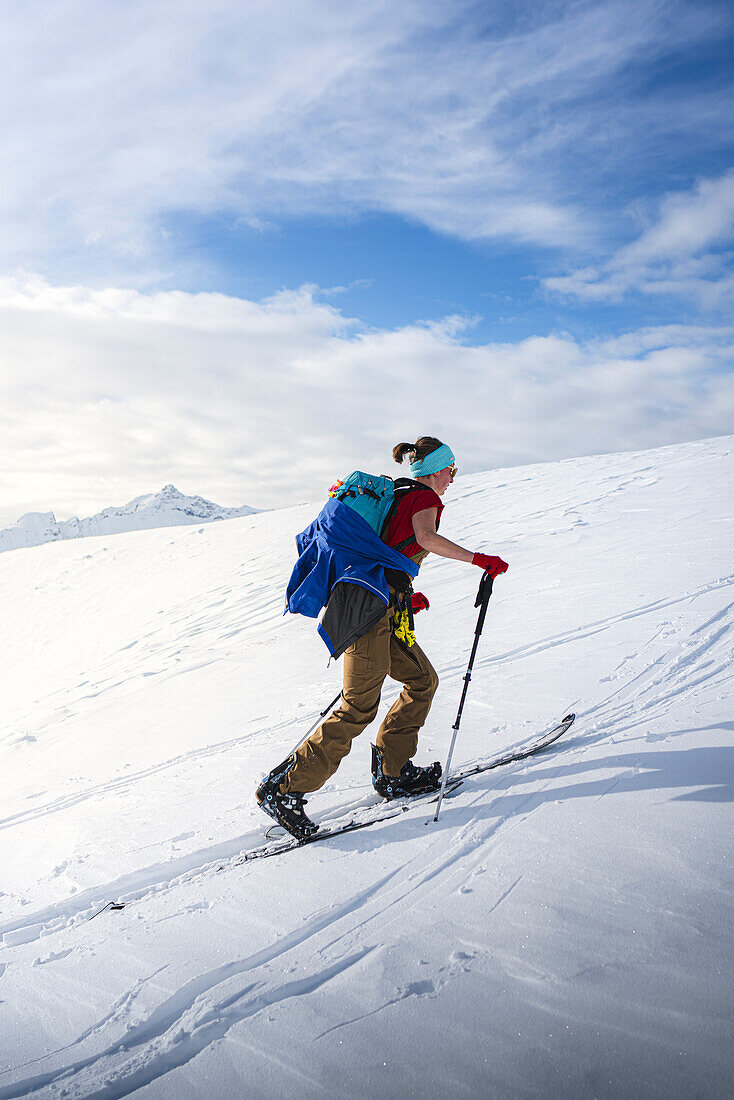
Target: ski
{"points": [[377, 814], [517, 754], [364, 821], [397, 807], [288, 843]]}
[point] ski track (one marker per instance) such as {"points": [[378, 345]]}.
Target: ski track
{"points": [[428, 987], [651, 692], [467, 846], [648, 695], [140, 886], [189, 1020], [645, 686], [117, 1014], [593, 628], [127, 782], [175, 1033], [192, 1020]]}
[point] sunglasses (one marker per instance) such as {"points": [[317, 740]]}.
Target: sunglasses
{"points": [[454, 471]]}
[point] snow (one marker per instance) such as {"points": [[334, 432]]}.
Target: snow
{"points": [[565, 929], [168, 508]]}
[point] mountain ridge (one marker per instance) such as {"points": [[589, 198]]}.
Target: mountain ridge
{"points": [[167, 508]]}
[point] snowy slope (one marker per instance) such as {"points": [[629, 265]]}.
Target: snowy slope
{"points": [[566, 928], [168, 508]]}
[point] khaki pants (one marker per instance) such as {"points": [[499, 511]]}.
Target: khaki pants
{"points": [[366, 664]]}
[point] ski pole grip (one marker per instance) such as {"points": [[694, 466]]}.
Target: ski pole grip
{"points": [[482, 601], [485, 589]]}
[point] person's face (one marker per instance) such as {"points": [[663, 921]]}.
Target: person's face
{"points": [[443, 479]]}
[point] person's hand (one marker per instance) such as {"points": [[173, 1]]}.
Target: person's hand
{"points": [[419, 602], [490, 564]]}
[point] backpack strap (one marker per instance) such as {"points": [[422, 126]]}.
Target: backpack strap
{"points": [[403, 486], [354, 493], [404, 544]]}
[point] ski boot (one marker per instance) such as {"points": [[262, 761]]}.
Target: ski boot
{"points": [[287, 809], [412, 780]]}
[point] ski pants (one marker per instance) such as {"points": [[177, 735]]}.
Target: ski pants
{"points": [[367, 663]]}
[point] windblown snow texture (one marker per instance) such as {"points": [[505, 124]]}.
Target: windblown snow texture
{"points": [[564, 930]]}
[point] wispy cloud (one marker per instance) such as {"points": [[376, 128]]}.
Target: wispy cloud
{"points": [[107, 394], [680, 254], [479, 121], [519, 124]]}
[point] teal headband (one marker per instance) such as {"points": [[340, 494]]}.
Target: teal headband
{"points": [[432, 463]]}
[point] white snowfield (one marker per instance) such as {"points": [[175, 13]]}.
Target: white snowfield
{"points": [[167, 508], [565, 930]]}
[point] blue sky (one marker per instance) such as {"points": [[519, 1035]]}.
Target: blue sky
{"points": [[389, 272], [226, 226]]}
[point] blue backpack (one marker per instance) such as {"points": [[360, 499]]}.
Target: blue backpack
{"points": [[371, 495]]}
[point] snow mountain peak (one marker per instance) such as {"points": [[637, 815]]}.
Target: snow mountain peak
{"points": [[167, 508]]}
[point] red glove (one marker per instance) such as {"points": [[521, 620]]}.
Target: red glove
{"points": [[492, 565], [419, 602]]}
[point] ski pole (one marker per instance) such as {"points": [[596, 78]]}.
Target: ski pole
{"points": [[323, 714], [482, 602]]}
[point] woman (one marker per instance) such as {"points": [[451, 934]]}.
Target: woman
{"points": [[412, 529]]}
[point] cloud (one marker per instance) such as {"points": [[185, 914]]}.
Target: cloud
{"points": [[479, 121], [106, 394], [688, 223], [681, 254]]}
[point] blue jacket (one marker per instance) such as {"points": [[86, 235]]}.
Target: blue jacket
{"points": [[341, 565]]}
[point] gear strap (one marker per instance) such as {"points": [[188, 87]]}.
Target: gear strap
{"points": [[403, 622]]}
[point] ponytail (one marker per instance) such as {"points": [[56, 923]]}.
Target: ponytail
{"points": [[417, 451], [402, 450]]}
